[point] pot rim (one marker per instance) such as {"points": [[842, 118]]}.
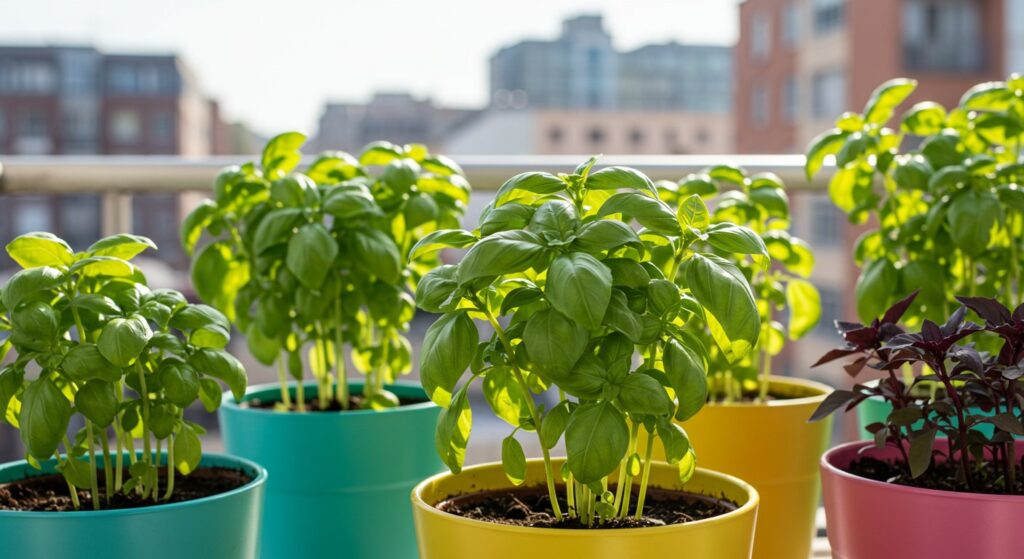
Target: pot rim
{"points": [[823, 391], [750, 507], [259, 480], [228, 401], [831, 469]]}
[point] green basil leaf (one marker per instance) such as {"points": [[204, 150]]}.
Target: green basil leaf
{"points": [[97, 401], [376, 252], [448, 348], [188, 450], [453, 428], [33, 250], [537, 183], [351, 202], [121, 246], [281, 154], [580, 287], [596, 439], [553, 424], [554, 343], [886, 97], [85, 362], [442, 238], [507, 252], [614, 178], [311, 253], [26, 284], [825, 144], [436, 288], [729, 237], [971, 217], [45, 414], [687, 373], [513, 460], [723, 291], [505, 395], [555, 219], [643, 395], [649, 212], [804, 305], [598, 236], [875, 288], [507, 217], [223, 366]]}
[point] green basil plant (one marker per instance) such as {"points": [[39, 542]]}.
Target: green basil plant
{"points": [[760, 204], [304, 263], [92, 339], [941, 192], [578, 311]]}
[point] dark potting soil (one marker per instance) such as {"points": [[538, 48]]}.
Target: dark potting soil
{"points": [[941, 476], [531, 507], [49, 493], [313, 405]]}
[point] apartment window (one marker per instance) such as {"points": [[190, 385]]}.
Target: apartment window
{"points": [[148, 79], [79, 219], [32, 124], [123, 79], [125, 127], [163, 128], [790, 24], [555, 135], [595, 136], [831, 311], [760, 36], [790, 98], [828, 15], [702, 137], [31, 213], [943, 35], [759, 105], [26, 77], [826, 223], [828, 93], [636, 137]]}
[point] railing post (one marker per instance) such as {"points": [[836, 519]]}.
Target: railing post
{"points": [[116, 214]]}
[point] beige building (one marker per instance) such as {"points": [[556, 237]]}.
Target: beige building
{"points": [[568, 131]]}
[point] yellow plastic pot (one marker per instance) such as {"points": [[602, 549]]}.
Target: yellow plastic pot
{"points": [[774, 448], [441, 535]]}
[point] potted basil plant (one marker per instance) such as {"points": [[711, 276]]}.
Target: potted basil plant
{"points": [[949, 454], [589, 343], [95, 347], [940, 194], [314, 267], [750, 409]]}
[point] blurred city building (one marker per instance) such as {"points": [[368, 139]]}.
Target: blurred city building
{"points": [[568, 131], [800, 63], [72, 100], [398, 117], [581, 69]]}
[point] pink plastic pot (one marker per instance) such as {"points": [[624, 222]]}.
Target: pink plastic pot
{"points": [[869, 519]]}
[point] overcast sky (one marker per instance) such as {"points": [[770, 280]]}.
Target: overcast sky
{"points": [[274, 63]]}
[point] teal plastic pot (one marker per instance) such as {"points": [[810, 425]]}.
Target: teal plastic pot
{"points": [[224, 526], [339, 481], [877, 410]]}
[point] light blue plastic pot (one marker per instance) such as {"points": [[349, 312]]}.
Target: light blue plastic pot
{"points": [[224, 526], [339, 481]]}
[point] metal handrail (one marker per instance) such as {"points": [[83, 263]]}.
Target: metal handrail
{"points": [[61, 174]]}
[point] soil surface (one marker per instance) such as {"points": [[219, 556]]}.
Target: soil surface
{"points": [[941, 476], [49, 493], [752, 397], [313, 405], [531, 507]]}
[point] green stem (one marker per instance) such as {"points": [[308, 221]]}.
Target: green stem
{"points": [[549, 472], [766, 374], [156, 464], [170, 468], [94, 486], [282, 379], [646, 476], [570, 495], [627, 494], [72, 490], [1014, 283], [107, 478], [146, 456], [339, 357], [118, 434]]}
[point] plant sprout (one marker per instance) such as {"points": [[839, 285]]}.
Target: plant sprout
{"points": [[758, 202], [305, 263], [92, 339], [578, 309]]}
